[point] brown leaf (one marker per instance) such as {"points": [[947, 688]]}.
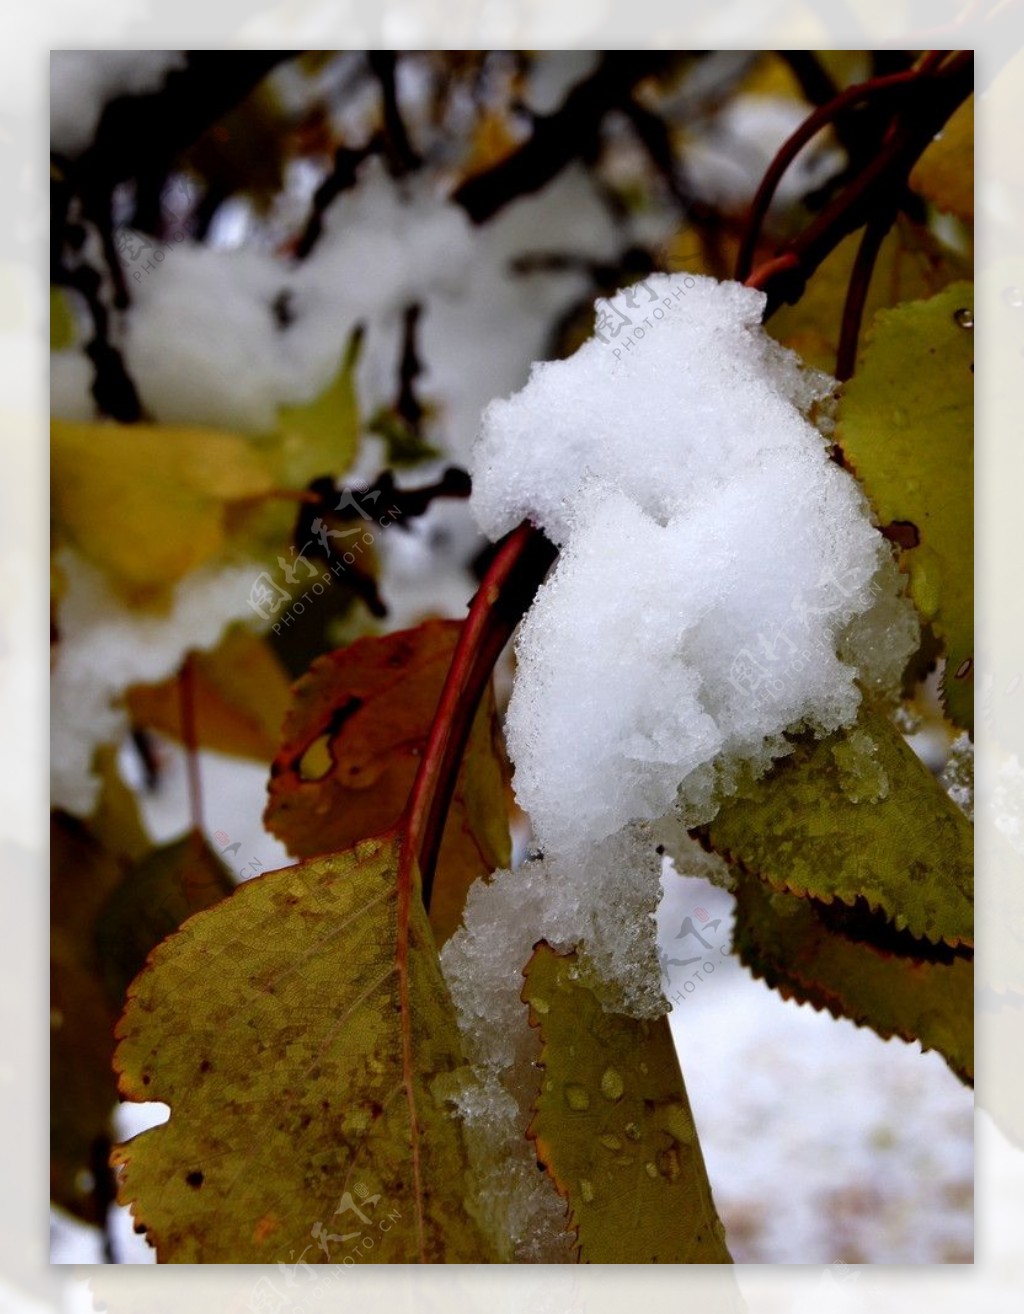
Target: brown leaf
{"points": [[352, 744], [240, 695]]}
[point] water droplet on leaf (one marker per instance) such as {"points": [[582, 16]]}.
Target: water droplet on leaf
{"points": [[576, 1097], [612, 1084]]}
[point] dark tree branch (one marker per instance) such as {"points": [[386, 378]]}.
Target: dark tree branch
{"points": [[815, 82], [341, 178], [140, 134], [398, 148], [941, 92], [571, 131]]}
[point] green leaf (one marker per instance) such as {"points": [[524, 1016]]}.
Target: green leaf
{"points": [[905, 427], [404, 446], [321, 437], [786, 940], [945, 172], [296, 1031], [858, 815], [352, 743], [613, 1126]]}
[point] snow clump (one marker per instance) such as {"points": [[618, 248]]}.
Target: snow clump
{"points": [[720, 582], [720, 579]]}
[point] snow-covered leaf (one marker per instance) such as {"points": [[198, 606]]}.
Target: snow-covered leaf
{"points": [[787, 941], [858, 815]]}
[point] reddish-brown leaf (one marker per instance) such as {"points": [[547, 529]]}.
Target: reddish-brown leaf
{"points": [[351, 746]]}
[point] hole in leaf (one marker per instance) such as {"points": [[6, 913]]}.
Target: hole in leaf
{"points": [[316, 762]]}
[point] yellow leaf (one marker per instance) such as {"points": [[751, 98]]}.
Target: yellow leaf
{"points": [[148, 502], [787, 941], [906, 428], [108, 911], [62, 322], [296, 1031], [945, 172], [613, 1127], [911, 264]]}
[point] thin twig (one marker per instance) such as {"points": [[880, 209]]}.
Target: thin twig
{"points": [[187, 713], [896, 84], [505, 594], [785, 275], [857, 291]]}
